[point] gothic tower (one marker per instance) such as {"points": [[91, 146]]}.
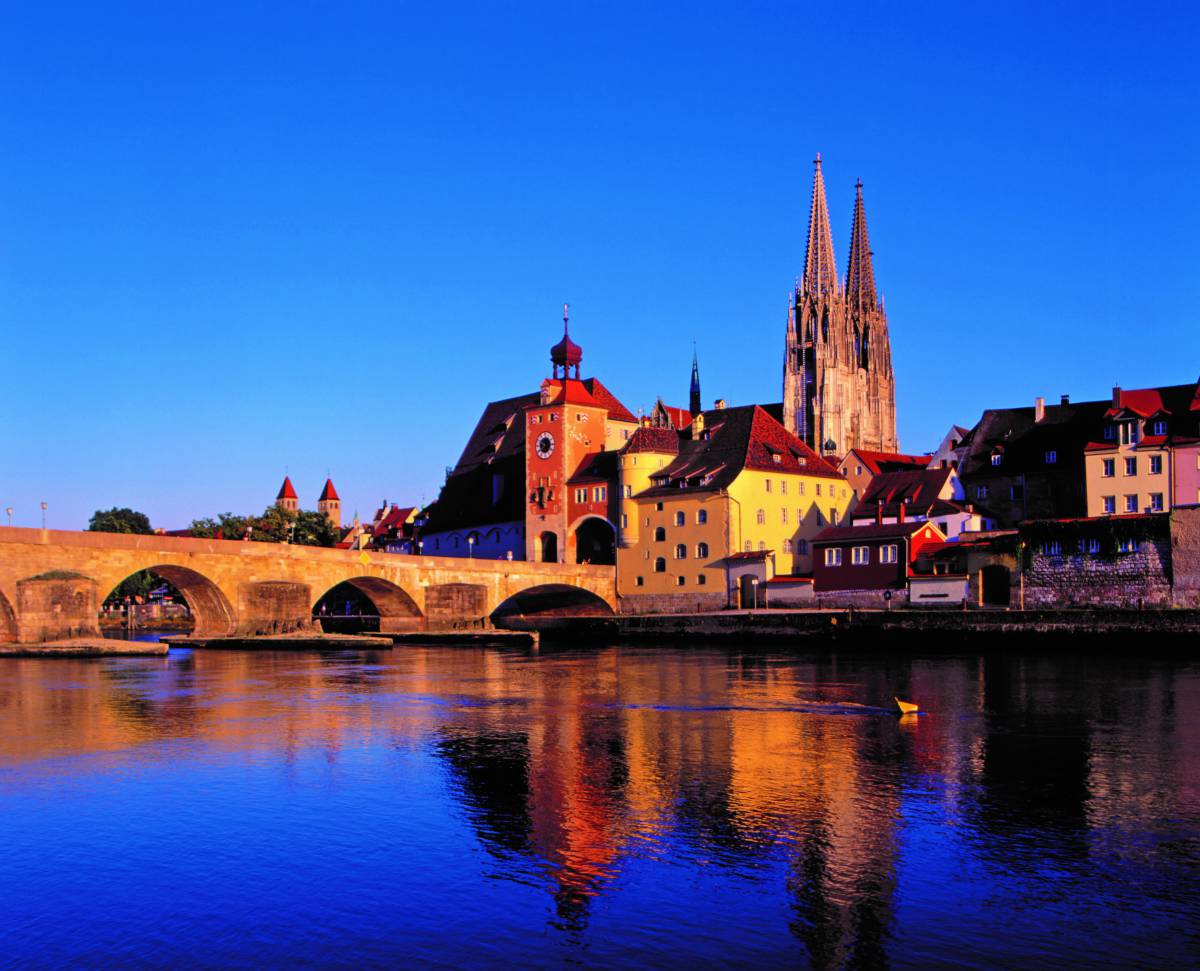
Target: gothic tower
{"points": [[694, 405], [838, 388]]}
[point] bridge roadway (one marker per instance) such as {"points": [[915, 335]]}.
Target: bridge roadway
{"points": [[52, 583]]}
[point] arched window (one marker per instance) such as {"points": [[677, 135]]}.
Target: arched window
{"points": [[679, 520], [748, 547], [762, 547], [825, 328], [680, 551], [701, 550], [701, 516], [865, 352], [857, 344], [660, 535], [761, 517], [787, 545], [802, 546], [660, 565]]}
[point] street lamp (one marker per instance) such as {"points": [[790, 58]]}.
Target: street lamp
{"points": [[471, 546], [9, 511], [754, 588], [420, 547], [43, 515]]}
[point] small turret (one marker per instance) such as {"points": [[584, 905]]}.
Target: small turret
{"points": [[287, 498], [566, 353]]}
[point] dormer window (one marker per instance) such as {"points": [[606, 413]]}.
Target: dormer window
{"points": [[1129, 433], [1110, 432], [997, 458], [1051, 457], [1160, 428], [776, 458]]}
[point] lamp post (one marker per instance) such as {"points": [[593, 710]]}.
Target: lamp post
{"points": [[471, 547], [44, 515], [420, 547], [9, 512], [754, 589]]}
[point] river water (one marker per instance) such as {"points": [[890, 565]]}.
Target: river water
{"points": [[599, 808]]}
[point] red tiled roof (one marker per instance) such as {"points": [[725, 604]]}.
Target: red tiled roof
{"points": [[752, 555], [286, 491], [329, 492], [679, 417], [573, 392], [920, 487], [647, 439], [606, 399], [879, 462]]}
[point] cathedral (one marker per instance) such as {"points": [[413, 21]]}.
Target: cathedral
{"points": [[838, 388]]}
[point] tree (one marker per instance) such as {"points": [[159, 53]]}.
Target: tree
{"points": [[315, 529], [119, 520], [227, 525]]}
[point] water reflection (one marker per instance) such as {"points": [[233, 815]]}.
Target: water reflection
{"points": [[666, 805]]}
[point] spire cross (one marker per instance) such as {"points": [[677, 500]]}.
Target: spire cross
{"points": [[566, 314]]}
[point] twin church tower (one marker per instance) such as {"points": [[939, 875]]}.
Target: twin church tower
{"points": [[838, 388]]}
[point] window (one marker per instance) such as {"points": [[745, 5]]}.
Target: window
{"points": [[747, 547], [1108, 468], [624, 521], [833, 517], [1052, 547], [641, 581], [535, 420], [1160, 428], [660, 534], [679, 519], [801, 485], [889, 553], [761, 517], [858, 470], [787, 545], [818, 488], [820, 518], [1129, 433], [1110, 505], [647, 520], [1093, 546], [580, 416], [1156, 502], [981, 492], [945, 528], [660, 565], [833, 556], [581, 495], [860, 555], [1131, 466], [658, 507], [767, 483], [1131, 504], [802, 547], [1156, 465], [680, 551], [600, 494], [997, 458], [783, 487], [701, 551], [762, 547], [1126, 546], [554, 416], [629, 492], [680, 581], [777, 459], [701, 580], [1051, 457], [701, 516], [783, 515], [1110, 432]]}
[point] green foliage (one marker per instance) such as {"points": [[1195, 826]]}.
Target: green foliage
{"points": [[275, 525], [59, 575], [1109, 531], [119, 520]]}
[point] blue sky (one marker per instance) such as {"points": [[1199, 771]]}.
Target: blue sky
{"points": [[241, 239]]}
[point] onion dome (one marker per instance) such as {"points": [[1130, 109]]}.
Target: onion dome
{"points": [[566, 353]]}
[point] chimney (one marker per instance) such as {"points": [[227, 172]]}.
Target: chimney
{"points": [[903, 510], [1116, 396], [720, 404], [878, 512], [1039, 408], [698, 426], [1066, 400]]}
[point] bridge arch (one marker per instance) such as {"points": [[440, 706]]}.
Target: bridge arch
{"points": [[595, 540], [397, 609], [211, 610], [546, 600], [8, 620]]}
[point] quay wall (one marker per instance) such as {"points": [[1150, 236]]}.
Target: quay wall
{"points": [[1140, 578]]}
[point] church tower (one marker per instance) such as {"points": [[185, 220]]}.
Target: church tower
{"points": [[330, 504], [694, 405], [287, 498], [838, 387]]}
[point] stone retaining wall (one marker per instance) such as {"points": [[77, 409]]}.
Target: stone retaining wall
{"points": [[674, 603], [1130, 580]]}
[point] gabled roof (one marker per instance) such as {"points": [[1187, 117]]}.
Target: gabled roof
{"points": [[842, 534], [286, 491], [606, 399], [499, 433], [647, 439], [918, 488], [735, 439], [329, 492], [879, 462], [679, 418]]}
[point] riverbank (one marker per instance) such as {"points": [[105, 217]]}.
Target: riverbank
{"points": [[852, 625], [86, 647], [362, 642]]}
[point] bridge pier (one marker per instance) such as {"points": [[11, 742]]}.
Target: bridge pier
{"points": [[274, 607], [56, 605]]}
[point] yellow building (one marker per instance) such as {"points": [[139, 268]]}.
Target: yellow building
{"points": [[694, 503], [1128, 470]]}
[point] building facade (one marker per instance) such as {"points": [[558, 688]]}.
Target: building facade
{"points": [[838, 386]]}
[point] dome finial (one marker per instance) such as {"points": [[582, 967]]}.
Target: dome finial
{"points": [[566, 353]]}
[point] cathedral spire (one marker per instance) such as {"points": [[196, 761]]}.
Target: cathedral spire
{"points": [[860, 276], [820, 273], [694, 405]]}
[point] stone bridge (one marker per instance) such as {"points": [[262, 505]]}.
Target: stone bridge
{"points": [[52, 583]]}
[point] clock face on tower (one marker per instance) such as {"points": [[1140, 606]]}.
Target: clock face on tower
{"points": [[544, 445]]}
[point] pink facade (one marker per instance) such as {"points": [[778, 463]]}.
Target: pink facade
{"points": [[1186, 485]]}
